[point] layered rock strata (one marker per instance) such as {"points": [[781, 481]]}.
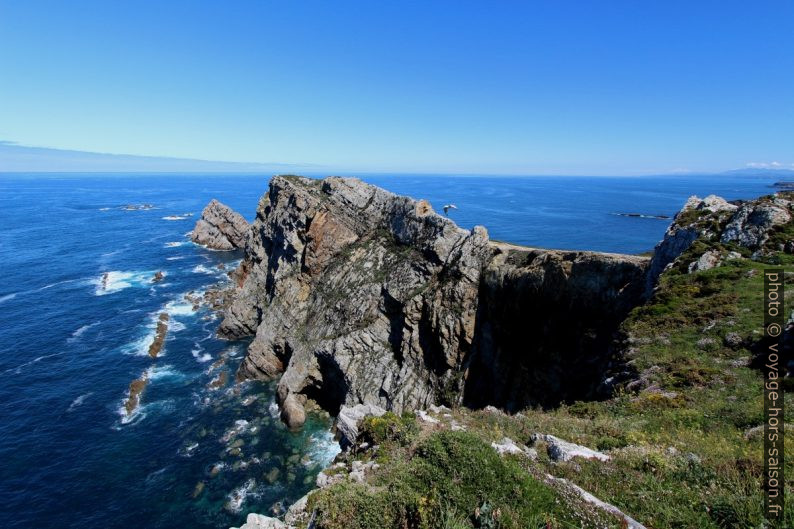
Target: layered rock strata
{"points": [[355, 295]]}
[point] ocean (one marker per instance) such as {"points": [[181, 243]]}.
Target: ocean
{"points": [[78, 310]]}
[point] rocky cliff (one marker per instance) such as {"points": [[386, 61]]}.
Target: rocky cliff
{"points": [[220, 228], [546, 325], [752, 225], [356, 295]]}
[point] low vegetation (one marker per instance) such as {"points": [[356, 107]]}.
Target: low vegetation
{"points": [[683, 435]]}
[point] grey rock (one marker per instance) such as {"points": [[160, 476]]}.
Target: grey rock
{"points": [[296, 513], [751, 224], [220, 228], [292, 412], [706, 343], [349, 419], [733, 340], [508, 446], [356, 295], [707, 261], [560, 450], [627, 521], [426, 417], [259, 521]]}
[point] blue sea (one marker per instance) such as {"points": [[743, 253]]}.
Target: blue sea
{"points": [[192, 455]]}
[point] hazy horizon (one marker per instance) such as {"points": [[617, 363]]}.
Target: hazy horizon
{"points": [[42, 160]]}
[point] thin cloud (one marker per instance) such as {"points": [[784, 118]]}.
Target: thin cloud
{"points": [[769, 165]]}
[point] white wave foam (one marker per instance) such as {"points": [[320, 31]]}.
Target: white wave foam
{"points": [[174, 244], [18, 369], [104, 209], [178, 307], [201, 358], [140, 347], [143, 410], [323, 449], [174, 308], [176, 258], [79, 401], [273, 410], [7, 297], [161, 372], [183, 216], [45, 287], [233, 352], [188, 450], [79, 332], [240, 425], [237, 496], [113, 281], [201, 269]]}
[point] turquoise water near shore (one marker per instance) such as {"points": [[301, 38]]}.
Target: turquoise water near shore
{"points": [[193, 455]]}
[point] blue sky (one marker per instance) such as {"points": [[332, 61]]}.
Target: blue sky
{"points": [[557, 87]]}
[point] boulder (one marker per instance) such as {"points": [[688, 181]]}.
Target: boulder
{"points": [[292, 412], [508, 446], [560, 450], [707, 261]]}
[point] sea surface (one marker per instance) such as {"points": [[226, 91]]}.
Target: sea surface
{"points": [[192, 455]]}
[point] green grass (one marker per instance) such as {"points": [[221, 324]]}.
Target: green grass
{"points": [[683, 452], [444, 480]]}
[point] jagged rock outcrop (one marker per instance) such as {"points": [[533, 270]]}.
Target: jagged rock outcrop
{"points": [[682, 233], [355, 295], [220, 228], [744, 224], [751, 224]]}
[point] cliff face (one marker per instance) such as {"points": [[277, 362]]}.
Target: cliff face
{"points": [[356, 295], [546, 325]]}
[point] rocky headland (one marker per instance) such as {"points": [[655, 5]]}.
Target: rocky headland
{"points": [[382, 312], [355, 295]]}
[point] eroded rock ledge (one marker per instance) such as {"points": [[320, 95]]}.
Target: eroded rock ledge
{"points": [[356, 295]]}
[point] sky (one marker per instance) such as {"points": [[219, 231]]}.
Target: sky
{"points": [[531, 87]]}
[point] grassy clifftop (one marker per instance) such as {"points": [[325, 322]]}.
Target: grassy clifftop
{"points": [[680, 437]]}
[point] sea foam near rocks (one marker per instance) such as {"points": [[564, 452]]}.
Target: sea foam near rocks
{"points": [[114, 281]]}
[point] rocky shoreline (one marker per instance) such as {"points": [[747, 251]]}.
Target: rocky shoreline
{"points": [[364, 303]]}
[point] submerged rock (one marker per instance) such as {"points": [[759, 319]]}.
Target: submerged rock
{"points": [[220, 228]]}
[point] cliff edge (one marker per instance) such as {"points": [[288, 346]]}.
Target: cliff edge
{"points": [[357, 295]]}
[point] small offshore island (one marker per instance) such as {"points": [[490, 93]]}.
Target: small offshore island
{"points": [[482, 384]]}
